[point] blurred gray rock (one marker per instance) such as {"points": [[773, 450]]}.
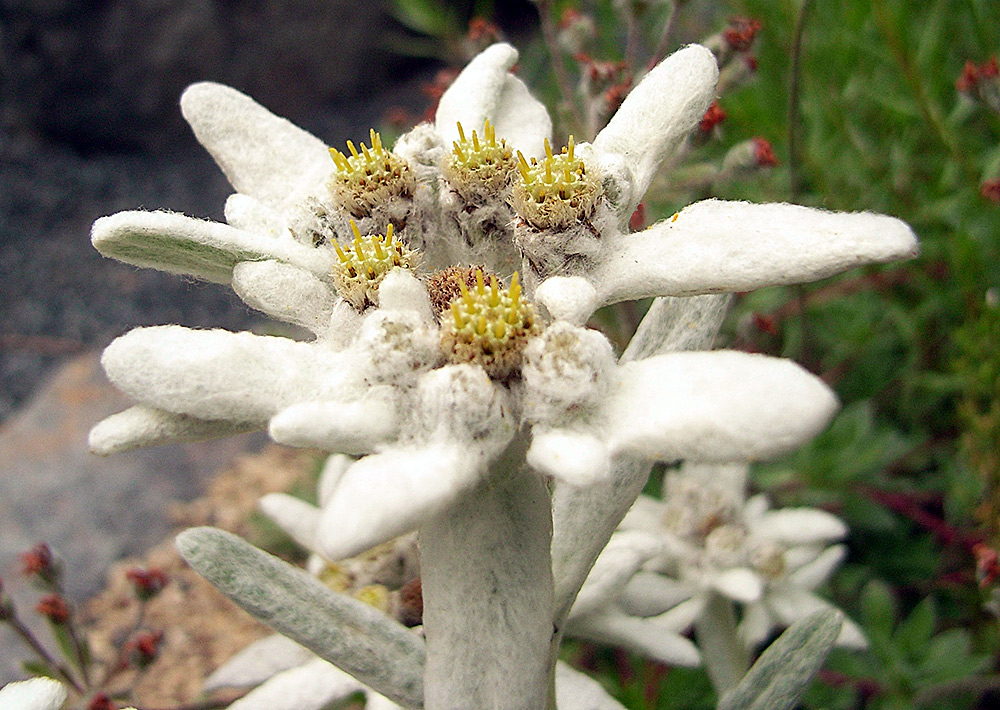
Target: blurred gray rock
{"points": [[92, 511], [101, 74]]}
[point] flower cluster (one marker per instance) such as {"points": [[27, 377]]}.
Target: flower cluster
{"points": [[466, 409]]}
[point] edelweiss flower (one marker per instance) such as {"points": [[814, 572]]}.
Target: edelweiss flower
{"points": [[461, 404], [714, 541]]}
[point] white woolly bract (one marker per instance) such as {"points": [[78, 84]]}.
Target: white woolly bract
{"points": [[715, 246], [215, 374], [286, 293], [142, 425], [486, 89], [262, 155], [718, 406], [658, 114]]}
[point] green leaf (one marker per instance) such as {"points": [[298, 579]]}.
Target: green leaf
{"points": [[38, 668], [917, 630], [781, 674], [360, 640]]}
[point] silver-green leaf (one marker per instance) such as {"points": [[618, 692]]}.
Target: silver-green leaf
{"points": [[781, 674], [360, 640]]}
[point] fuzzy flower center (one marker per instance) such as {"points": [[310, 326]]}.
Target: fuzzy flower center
{"points": [[365, 263], [479, 168], [554, 193], [489, 326], [364, 180]]}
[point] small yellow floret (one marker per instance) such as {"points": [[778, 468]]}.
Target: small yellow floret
{"points": [[490, 326], [479, 169], [365, 262], [364, 180], [557, 191]]}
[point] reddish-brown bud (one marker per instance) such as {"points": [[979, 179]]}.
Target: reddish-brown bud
{"points": [[411, 603], [741, 33], [39, 561], [764, 153], [142, 649], [147, 582], [101, 701], [54, 608], [987, 564], [638, 219], [712, 118], [765, 323], [990, 190]]}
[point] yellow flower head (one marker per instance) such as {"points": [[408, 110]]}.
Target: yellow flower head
{"points": [[364, 180], [556, 192], [364, 263], [489, 326]]}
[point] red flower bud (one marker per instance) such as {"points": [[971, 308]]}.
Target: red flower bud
{"points": [[38, 561], [741, 33], [764, 153], [990, 190], [54, 608], [147, 582], [142, 649], [638, 219], [101, 701], [712, 118]]}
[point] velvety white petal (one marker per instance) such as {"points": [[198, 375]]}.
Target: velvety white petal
{"points": [[521, 119], [385, 495], [310, 686], [147, 426], [250, 215], [285, 292], [755, 507], [567, 298], [616, 565], [639, 635], [215, 374], [800, 526], [755, 626], [258, 662], [818, 571], [650, 594], [486, 89], [715, 406], [682, 616], [576, 458], [329, 477], [173, 242], [714, 246], [578, 691], [262, 155], [740, 584], [659, 113], [358, 427], [33, 694], [293, 515], [646, 514], [791, 604]]}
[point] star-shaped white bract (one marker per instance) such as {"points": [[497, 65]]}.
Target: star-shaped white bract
{"points": [[715, 541]]}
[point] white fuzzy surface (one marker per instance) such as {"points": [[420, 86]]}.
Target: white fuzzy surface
{"points": [[486, 89], [215, 374], [719, 406], [715, 245], [286, 293], [142, 425], [262, 155], [658, 114], [34, 694]]}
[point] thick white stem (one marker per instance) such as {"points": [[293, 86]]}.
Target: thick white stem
{"points": [[487, 586]]}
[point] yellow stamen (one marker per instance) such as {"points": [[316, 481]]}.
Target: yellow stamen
{"points": [[457, 315], [461, 133]]}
